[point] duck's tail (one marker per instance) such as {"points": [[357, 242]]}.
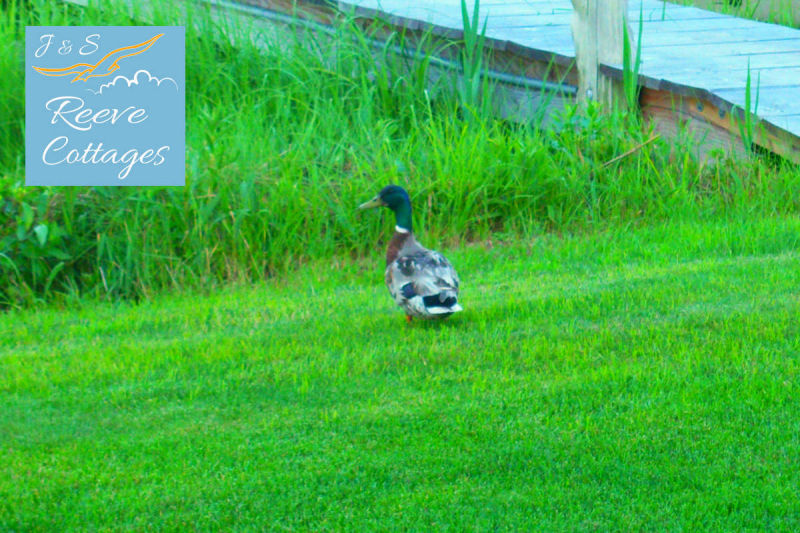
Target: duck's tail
{"points": [[444, 303]]}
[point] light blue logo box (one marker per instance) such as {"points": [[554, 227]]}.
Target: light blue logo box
{"points": [[105, 105]]}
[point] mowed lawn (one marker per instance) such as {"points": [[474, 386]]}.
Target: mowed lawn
{"points": [[638, 379]]}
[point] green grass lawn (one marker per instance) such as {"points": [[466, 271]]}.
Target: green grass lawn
{"points": [[283, 140], [638, 379], [611, 371]]}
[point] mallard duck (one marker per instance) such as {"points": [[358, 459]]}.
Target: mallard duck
{"points": [[421, 281]]}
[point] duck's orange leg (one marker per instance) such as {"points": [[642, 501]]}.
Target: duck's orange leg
{"points": [[408, 319]]}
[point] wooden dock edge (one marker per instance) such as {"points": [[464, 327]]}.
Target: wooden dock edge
{"points": [[670, 107], [717, 121], [713, 121]]}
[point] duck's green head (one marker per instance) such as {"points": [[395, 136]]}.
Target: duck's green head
{"points": [[395, 198]]}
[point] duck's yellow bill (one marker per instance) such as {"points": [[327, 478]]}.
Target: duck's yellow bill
{"points": [[375, 202]]}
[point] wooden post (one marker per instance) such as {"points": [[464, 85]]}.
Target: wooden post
{"points": [[597, 31]]}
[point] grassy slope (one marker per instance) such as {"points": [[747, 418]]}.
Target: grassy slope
{"points": [[283, 141], [640, 379]]}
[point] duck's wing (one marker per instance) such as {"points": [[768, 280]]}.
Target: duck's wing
{"points": [[424, 281]]}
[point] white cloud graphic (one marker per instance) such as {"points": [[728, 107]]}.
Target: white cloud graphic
{"points": [[134, 80]]}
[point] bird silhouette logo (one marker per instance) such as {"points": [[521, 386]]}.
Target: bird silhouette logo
{"points": [[107, 64]]}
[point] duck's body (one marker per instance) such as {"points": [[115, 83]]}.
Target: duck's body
{"points": [[421, 281]]}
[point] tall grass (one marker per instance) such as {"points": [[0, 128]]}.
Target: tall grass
{"points": [[746, 120], [285, 138], [474, 89], [631, 62]]}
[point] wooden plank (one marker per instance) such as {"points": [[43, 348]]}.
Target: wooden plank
{"points": [[784, 122], [726, 71], [677, 15], [772, 101], [709, 54], [705, 76], [787, 123], [791, 124], [421, 14], [731, 48], [708, 71], [527, 10], [652, 6], [521, 105], [559, 42], [734, 67], [778, 65], [742, 34], [531, 20], [712, 127], [444, 28], [695, 25], [671, 115], [778, 140], [689, 26], [661, 11]]}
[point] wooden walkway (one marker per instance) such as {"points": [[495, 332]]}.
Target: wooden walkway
{"points": [[698, 55]]}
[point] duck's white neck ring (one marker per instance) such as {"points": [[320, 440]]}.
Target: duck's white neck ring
{"points": [[398, 229]]}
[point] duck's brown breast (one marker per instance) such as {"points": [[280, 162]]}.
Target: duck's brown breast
{"points": [[395, 245]]}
